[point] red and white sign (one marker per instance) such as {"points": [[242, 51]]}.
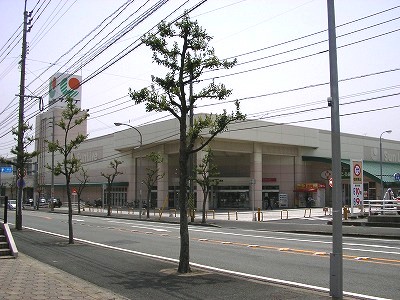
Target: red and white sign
{"points": [[326, 174], [356, 179]]}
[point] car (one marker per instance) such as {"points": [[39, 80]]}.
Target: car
{"points": [[12, 204], [55, 202], [42, 202], [28, 203]]}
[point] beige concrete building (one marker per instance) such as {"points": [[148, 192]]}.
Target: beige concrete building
{"points": [[256, 159]]}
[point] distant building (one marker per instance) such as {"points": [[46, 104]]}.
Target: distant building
{"points": [[254, 158]]}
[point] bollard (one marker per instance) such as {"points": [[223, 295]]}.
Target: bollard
{"points": [[345, 212], [213, 213], [258, 214], [305, 212], [287, 213]]}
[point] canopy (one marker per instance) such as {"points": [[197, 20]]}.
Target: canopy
{"points": [[371, 169]]}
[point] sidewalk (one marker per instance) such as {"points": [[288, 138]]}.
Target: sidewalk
{"points": [[300, 220], [26, 278], [144, 278]]}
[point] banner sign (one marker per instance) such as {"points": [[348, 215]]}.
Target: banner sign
{"points": [[357, 183], [6, 169], [61, 86]]}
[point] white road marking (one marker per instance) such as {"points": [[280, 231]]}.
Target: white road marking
{"points": [[219, 270]]}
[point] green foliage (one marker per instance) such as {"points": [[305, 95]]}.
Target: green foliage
{"points": [[207, 171], [152, 173], [114, 164], [183, 49], [71, 117], [27, 141]]}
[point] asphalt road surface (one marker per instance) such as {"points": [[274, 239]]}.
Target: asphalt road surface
{"points": [[371, 266]]}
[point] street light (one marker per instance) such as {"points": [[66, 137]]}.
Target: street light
{"points": [[380, 157], [141, 142], [141, 139]]}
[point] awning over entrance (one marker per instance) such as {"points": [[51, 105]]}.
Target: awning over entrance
{"points": [[305, 190], [371, 168]]}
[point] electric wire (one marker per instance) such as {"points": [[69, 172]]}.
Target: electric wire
{"points": [[359, 41]]}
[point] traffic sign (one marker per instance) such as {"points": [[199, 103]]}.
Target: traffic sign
{"points": [[6, 169], [21, 183], [396, 176]]}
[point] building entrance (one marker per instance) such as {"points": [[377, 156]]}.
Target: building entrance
{"points": [[231, 198]]}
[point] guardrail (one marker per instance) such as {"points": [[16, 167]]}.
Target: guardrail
{"points": [[383, 207]]}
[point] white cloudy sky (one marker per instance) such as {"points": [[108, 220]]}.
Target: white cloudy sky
{"points": [[280, 46]]}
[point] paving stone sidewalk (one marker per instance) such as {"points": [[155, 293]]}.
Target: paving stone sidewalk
{"points": [[26, 278]]}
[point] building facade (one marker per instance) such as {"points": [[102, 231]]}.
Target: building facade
{"points": [[256, 160]]}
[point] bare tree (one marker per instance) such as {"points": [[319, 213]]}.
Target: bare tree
{"points": [[71, 117], [110, 179], [183, 48], [152, 176], [206, 172], [83, 179], [23, 157]]}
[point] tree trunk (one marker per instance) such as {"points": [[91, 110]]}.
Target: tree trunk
{"points": [[79, 204], [148, 203], [205, 194], [70, 229], [109, 202], [184, 266]]}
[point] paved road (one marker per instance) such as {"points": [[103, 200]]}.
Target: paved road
{"points": [[137, 277], [145, 237]]}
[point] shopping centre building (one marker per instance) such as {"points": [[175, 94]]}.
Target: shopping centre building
{"points": [[255, 160]]}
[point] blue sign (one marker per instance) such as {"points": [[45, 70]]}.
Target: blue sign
{"points": [[6, 169], [396, 176], [21, 183]]}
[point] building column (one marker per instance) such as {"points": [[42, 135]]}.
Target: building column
{"points": [[131, 192], [162, 184], [256, 176]]}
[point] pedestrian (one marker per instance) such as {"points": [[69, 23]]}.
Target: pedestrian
{"points": [[309, 201], [268, 200]]}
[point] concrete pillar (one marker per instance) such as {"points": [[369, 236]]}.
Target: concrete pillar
{"points": [[162, 184], [256, 174], [131, 192]]}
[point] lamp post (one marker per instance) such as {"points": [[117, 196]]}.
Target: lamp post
{"points": [[141, 142], [141, 138], [380, 158]]}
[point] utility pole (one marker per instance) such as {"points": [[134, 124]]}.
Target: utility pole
{"points": [[20, 144], [52, 159], [336, 257]]}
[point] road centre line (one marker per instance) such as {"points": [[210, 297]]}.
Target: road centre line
{"points": [[215, 269], [300, 240], [212, 230], [394, 262]]}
